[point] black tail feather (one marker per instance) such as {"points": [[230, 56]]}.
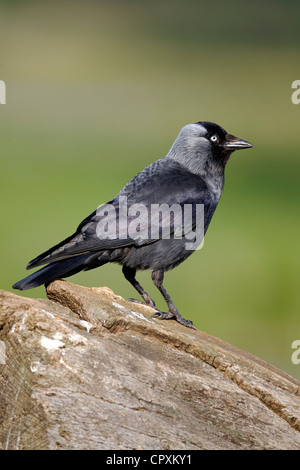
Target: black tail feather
{"points": [[40, 259], [54, 270]]}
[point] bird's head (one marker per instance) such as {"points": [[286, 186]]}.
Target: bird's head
{"points": [[205, 141], [219, 140]]}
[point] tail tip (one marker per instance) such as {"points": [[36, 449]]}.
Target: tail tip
{"points": [[18, 286]]}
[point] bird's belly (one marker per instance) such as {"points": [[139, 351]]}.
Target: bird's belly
{"points": [[162, 254]]}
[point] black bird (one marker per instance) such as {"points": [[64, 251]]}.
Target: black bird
{"points": [[123, 230]]}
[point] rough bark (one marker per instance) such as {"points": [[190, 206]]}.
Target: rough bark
{"points": [[88, 370]]}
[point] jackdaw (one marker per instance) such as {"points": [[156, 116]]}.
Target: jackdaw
{"points": [[122, 231]]}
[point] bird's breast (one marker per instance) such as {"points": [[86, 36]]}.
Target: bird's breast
{"points": [[215, 186]]}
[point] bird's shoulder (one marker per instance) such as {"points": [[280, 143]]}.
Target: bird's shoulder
{"points": [[165, 181]]}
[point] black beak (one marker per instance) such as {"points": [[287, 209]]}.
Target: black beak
{"points": [[233, 143]]}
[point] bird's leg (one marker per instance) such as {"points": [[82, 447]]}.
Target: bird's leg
{"points": [[158, 277], [129, 274]]}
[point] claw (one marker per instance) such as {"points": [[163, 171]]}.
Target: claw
{"points": [[163, 315], [170, 315], [187, 323], [135, 301]]}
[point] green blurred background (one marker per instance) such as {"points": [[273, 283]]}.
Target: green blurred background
{"points": [[97, 90]]}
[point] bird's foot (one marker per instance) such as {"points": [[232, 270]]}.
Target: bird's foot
{"points": [[176, 316], [136, 301], [149, 304]]}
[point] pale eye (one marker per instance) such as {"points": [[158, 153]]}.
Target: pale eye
{"points": [[214, 139]]}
